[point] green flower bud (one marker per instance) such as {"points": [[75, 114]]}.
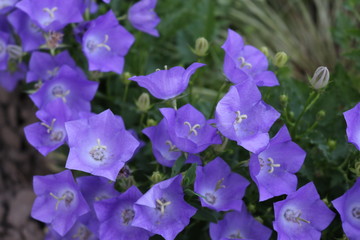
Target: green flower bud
{"points": [[125, 78], [321, 78], [356, 169], [151, 122], [284, 99], [280, 59], [201, 47], [156, 177], [321, 114], [143, 102], [331, 144], [265, 51]]}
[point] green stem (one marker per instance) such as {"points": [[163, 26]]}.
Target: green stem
{"points": [[174, 104], [194, 193], [126, 92]]}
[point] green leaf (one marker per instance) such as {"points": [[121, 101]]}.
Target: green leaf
{"points": [[207, 215], [175, 170], [190, 175]]}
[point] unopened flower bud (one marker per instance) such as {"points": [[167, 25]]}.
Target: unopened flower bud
{"points": [[356, 169], [151, 122], [156, 177], [280, 59], [284, 99], [143, 102], [265, 51], [15, 52], [125, 78], [321, 114], [201, 47], [320, 78], [331, 144]]}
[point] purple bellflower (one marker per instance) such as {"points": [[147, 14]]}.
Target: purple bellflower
{"points": [[162, 210], [239, 225], [190, 131], [245, 62], [222, 190], [78, 232], [242, 116], [52, 14], [59, 201], [143, 17], [5, 41], [164, 150], [352, 118], [273, 169], [10, 77], [99, 145], [49, 134], [70, 86], [348, 205], [302, 215], [7, 5], [167, 84], [106, 43], [116, 216]]}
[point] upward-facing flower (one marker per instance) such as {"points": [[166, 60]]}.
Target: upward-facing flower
{"points": [[99, 145], [167, 84], [143, 17], [242, 116], [273, 169], [348, 205], [105, 44], [352, 118], [302, 215], [59, 201], [162, 210]]}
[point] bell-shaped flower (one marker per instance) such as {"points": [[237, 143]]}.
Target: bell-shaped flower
{"points": [[273, 169], [246, 63], [116, 216], [352, 118], [105, 44], [59, 201], [302, 215], [348, 205], [7, 5], [167, 84], [52, 15], [99, 145], [221, 189], [78, 232], [239, 225], [190, 131], [143, 17], [162, 210], [242, 116]]}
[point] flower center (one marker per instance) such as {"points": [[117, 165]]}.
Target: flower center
{"points": [[236, 235], [192, 128], [210, 198], [243, 63], [98, 152], [53, 72], [55, 136], [270, 163], [82, 233], [91, 45], [172, 147], [161, 204], [127, 216], [356, 212], [59, 92], [294, 216], [67, 196], [239, 117], [53, 39]]}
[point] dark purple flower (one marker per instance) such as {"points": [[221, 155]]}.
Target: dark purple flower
{"points": [[273, 169], [222, 190], [143, 17], [352, 118], [348, 205], [7, 5], [190, 131], [52, 14], [99, 145], [10, 77], [239, 225], [106, 43], [246, 63], [116, 216], [302, 215], [59, 201], [78, 232], [30, 33], [70, 86], [242, 116], [167, 84], [162, 210], [164, 150]]}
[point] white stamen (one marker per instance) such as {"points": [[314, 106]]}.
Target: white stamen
{"points": [[239, 117], [271, 164], [192, 128], [51, 11], [244, 63]]}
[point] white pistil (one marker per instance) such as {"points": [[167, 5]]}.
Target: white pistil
{"points": [[67, 196], [294, 216], [192, 128], [162, 205], [219, 184], [239, 117], [103, 44], [51, 11], [172, 147], [244, 63], [271, 164], [98, 152], [49, 127]]}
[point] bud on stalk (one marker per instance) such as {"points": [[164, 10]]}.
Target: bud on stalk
{"points": [[321, 78]]}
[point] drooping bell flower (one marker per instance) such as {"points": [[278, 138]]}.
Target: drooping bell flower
{"points": [[99, 145], [302, 215], [164, 150], [352, 118], [348, 205], [105, 44], [246, 63], [239, 225], [143, 17], [222, 190], [12, 75], [162, 210], [167, 84], [116, 216], [59, 201], [190, 131], [273, 169], [52, 15], [242, 116]]}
